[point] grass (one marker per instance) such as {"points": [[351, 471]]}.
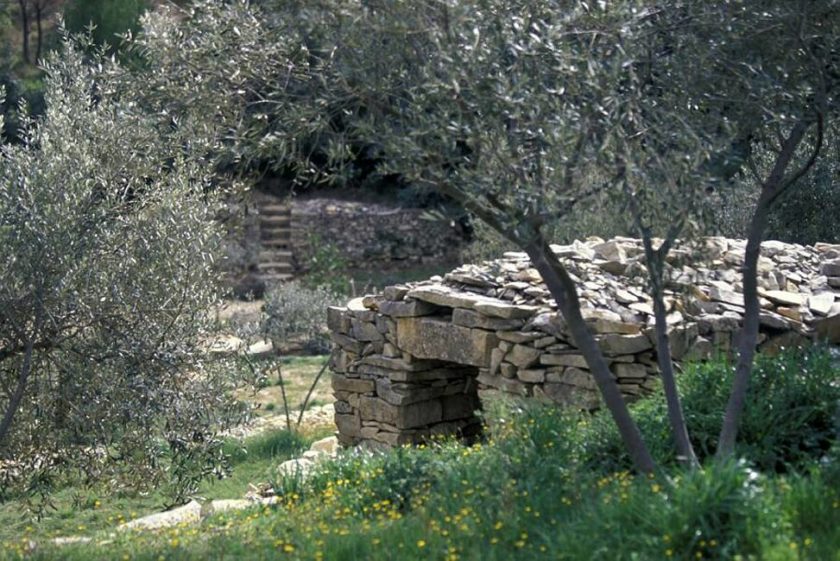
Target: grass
{"points": [[298, 375], [535, 489], [79, 511], [82, 511]]}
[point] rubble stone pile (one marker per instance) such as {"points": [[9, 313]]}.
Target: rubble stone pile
{"points": [[413, 361]]}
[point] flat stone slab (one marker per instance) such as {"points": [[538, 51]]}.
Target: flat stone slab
{"points": [[190, 513], [431, 338]]}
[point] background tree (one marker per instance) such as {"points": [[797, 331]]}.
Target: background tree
{"points": [[109, 19]]}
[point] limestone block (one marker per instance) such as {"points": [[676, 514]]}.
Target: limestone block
{"points": [[702, 349], [531, 376], [575, 360], [523, 356], [349, 425], [496, 357], [335, 319], [500, 309], [575, 377], [828, 329], [430, 375], [630, 371], [399, 363], [365, 331], [507, 370], [784, 298], [343, 407], [434, 339], [409, 308], [397, 393], [402, 417], [442, 295], [328, 446], [187, 514], [571, 396], [347, 343], [773, 321], [519, 336], [395, 293], [821, 304], [830, 268], [470, 318], [615, 344], [354, 385], [508, 385]]}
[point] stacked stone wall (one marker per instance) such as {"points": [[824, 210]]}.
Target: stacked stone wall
{"points": [[414, 360], [373, 234]]}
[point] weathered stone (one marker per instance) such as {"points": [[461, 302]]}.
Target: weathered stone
{"points": [[496, 358], [349, 425], [400, 363], [702, 349], [614, 344], [508, 385], [356, 385], [519, 336], [347, 343], [773, 321], [610, 251], [395, 293], [573, 377], [727, 296], [783, 297], [342, 407], [500, 309], [576, 360], [828, 329], [470, 318], [630, 370], [407, 309], [571, 396], [830, 268], [365, 331], [397, 393], [190, 513], [356, 305], [522, 356], [507, 370], [821, 304], [335, 317], [791, 313], [531, 376], [442, 340], [403, 417], [441, 295]]}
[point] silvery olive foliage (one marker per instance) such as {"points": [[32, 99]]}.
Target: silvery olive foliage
{"points": [[297, 313], [107, 274]]}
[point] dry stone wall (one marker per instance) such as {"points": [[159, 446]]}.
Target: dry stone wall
{"points": [[371, 233], [414, 360]]}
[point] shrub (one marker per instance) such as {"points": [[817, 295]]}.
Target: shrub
{"points": [[107, 244], [788, 419], [295, 313]]}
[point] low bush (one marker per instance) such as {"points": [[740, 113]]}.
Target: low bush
{"points": [[296, 313], [788, 422]]}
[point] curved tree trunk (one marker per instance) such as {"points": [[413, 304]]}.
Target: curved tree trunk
{"points": [[772, 187], [564, 292]]}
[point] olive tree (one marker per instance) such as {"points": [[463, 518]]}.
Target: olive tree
{"points": [[769, 72], [525, 111], [107, 276]]}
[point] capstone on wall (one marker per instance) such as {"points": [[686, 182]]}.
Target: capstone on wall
{"points": [[414, 360]]}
